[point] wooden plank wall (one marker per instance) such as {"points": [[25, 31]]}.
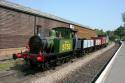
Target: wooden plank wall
{"points": [[48, 24], [85, 33], [16, 27]]}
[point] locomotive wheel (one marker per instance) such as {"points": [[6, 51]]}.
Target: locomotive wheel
{"points": [[58, 62], [47, 65], [53, 64], [32, 64]]}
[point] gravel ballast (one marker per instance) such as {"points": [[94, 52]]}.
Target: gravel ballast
{"points": [[80, 71], [86, 73]]}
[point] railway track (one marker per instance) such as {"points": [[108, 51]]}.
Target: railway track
{"points": [[27, 74], [90, 72], [104, 66]]}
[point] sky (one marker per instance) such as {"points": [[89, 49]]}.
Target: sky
{"points": [[101, 14]]}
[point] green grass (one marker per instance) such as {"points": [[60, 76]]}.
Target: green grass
{"points": [[6, 65]]}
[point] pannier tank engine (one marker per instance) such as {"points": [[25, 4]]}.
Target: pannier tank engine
{"points": [[43, 50]]}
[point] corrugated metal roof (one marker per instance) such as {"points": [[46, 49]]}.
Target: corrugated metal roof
{"points": [[18, 7]]}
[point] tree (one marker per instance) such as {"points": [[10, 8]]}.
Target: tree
{"points": [[123, 17], [111, 35], [100, 32], [120, 32]]}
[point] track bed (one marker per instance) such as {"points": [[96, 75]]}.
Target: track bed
{"points": [[88, 73], [85, 73]]}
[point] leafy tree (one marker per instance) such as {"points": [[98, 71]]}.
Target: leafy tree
{"points": [[114, 37], [100, 32], [123, 17], [111, 35], [120, 31]]}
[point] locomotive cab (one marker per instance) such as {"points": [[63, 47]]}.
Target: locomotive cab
{"points": [[66, 42]]}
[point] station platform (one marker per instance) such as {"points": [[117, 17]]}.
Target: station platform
{"points": [[115, 70]]}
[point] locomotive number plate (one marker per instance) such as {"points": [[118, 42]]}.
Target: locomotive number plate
{"points": [[66, 45]]}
